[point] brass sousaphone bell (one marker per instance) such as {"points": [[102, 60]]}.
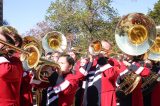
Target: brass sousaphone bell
{"points": [[32, 45], [95, 47], [134, 35], [41, 70], [54, 41]]}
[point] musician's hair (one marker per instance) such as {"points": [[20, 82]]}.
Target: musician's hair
{"points": [[69, 59], [18, 40]]}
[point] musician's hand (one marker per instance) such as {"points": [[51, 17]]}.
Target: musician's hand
{"points": [[50, 70], [126, 63], [91, 58], [34, 81], [159, 72], [158, 79]]}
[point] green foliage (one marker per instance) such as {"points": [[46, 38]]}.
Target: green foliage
{"points": [[155, 13], [96, 19]]}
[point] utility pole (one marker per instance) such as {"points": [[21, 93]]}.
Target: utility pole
{"points": [[1, 12]]}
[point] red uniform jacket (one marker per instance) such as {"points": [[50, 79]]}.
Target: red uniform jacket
{"points": [[108, 96], [26, 90], [10, 80], [64, 91], [66, 96], [101, 90]]}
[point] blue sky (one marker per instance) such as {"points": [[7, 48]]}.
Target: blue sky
{"points": [[24, 14]]}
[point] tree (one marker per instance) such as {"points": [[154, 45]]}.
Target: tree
{"points": [[41, 29], [94, 18], [155, 13]]}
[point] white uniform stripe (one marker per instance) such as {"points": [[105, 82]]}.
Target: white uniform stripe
{"points": [[95, 79], [103, 68], [83, 71], [124, 72], [3, 60], [51, 100], [61, 87], [139, 70]]}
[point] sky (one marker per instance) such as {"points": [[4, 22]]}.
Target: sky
{"points": [[24, 14]]}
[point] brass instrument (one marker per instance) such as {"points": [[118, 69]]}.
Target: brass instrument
{"points": [[32, 45], [95, 47], [134, 35], [130, 82], [30, 52], [148, 81], [154, 51], [54, 41], [42, 73], [13, 47]]}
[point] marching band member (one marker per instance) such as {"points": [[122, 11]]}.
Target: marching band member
{"points": [[48, 55], [152, 92], [156, 90], [73, 53], [11, 71], [137, 65], [106, 46], [67, 89], [100, 78], [55, 56], [79, 93], [63, 84], [100, 87]]}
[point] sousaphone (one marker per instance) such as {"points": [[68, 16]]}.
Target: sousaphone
{"points": [[134, 35]]}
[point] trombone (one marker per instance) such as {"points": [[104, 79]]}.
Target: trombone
{"points": [[33, 55]]}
